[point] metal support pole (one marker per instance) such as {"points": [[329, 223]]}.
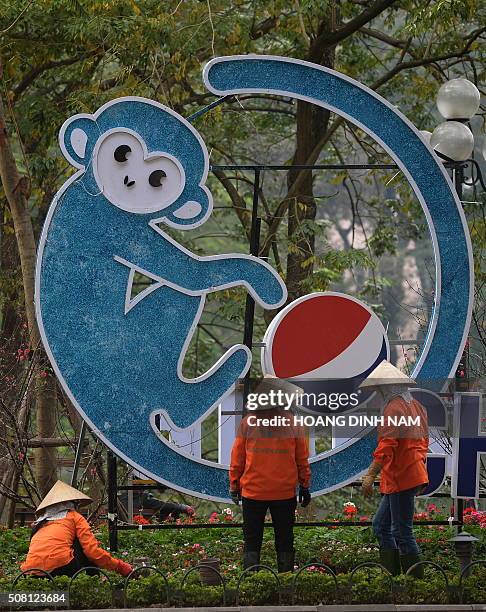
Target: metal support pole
{"points": [[112, 502], [459, 179], [79, 454], [250, 302], [458, 184]]}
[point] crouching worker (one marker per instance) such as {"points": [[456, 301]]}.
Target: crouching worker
{"points": [[62, 541], [267, 464], [401, 458]]}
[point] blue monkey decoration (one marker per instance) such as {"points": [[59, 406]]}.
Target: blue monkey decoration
{"points": [[121, 358], [140, 165]]}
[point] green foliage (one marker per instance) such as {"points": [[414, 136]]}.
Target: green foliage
{"points": [[312, 587]]}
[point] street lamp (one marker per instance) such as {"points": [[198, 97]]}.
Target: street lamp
{"points": [[453, 140], [457, 101]]}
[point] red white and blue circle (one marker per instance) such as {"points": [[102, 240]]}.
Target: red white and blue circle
{"points": [[327, 341]]}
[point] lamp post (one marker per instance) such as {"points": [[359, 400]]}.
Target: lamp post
{"points": [[463, 547], [458, 100], [453, 140]]}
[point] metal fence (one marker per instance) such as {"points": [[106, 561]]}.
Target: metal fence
{"points": [[286, 594]]}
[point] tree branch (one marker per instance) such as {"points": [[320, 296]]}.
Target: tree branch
{"points": [[389, 40], [399, 67], [262, 28], [30, 76], [238, 202], [329, 39]]}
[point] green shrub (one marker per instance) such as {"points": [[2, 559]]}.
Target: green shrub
{"points": [[147, 590], [88, 592], [371, 585], [314, 588], [474, 586], [259, 588], [198, 595], [431, 590]]}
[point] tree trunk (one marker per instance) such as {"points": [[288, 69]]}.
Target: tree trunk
{"points": [[312, 124], [17, 191]]}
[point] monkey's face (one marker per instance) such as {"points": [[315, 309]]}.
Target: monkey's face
{"points": [[133, 179]]}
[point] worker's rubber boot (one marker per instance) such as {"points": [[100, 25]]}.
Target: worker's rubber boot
{"points": [[390, 559], [285, 561], [409, 560], [251, 557]]}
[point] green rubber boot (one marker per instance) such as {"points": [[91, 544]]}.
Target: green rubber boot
{"points": [[390, 559], [409, 560]]}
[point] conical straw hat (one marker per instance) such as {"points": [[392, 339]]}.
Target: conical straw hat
{"points": [[270, 382], [62, 492], [273, 383], [387, 374]]}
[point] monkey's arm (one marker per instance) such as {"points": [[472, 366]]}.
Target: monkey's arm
{"points": [[165, 260]]}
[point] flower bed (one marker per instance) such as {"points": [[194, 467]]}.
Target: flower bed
{"points": [[175, 551]]}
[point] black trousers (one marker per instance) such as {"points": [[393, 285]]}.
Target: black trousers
{"points": [[163, 508], [79, 561], [283, 518]]}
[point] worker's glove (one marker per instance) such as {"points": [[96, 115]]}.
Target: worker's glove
{"points": [[124, 568], [304, 496], [235, 496], [369, 479]]}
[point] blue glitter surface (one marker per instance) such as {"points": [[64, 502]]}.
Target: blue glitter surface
{"points": [[119, 368]]}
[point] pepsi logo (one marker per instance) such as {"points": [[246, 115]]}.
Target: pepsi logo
{"points": [[327, 340]]}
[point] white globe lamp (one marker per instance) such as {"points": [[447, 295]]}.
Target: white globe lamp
{"points": [[458, 99], [454, 140]]}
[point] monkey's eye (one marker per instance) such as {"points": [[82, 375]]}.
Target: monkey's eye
{"points": [[156, 177], [121, 153]]}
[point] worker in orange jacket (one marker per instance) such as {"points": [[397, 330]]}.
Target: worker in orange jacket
{"points": [[400, 457], [62, 541], [268, 461]]}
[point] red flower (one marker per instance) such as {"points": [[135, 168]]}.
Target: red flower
{"points": [[350, 509], [420, 516], [140, 520]]}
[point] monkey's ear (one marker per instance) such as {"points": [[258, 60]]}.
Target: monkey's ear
{"points": [[77, 138], [189, 213]]}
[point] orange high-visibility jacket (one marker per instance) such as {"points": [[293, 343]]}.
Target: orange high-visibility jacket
{"points": [[402, 450], [267, 463], [52, 546]]}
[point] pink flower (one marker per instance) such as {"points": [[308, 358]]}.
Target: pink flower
{"points": [[214, 518]]}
